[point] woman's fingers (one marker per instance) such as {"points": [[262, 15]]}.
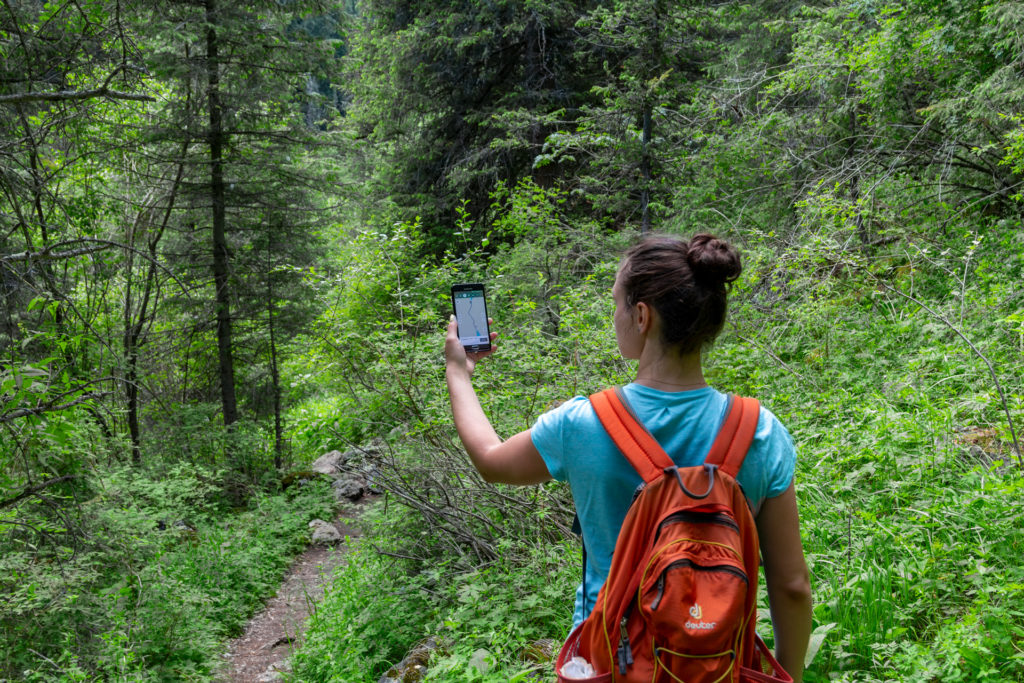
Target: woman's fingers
{"points": [[455, 351]]}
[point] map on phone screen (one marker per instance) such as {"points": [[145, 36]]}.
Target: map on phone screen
{"points": [[471, 313]]}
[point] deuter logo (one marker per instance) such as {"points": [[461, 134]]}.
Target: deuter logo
{"points": [[697, 613]]}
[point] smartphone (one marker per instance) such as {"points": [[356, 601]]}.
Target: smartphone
{"points": [[470, 308]]}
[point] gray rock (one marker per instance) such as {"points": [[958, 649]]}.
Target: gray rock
{"points": [[330, 463], [275, 672], [348, 487], [324, 533], [414, 666], [479, 661]]}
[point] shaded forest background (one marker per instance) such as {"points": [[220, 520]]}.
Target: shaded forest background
{"points": [[227, 233]]}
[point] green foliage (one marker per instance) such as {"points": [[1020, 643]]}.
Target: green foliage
{"points": [[457, 97], [376, 608], [151, 578], [367, 619], [876, 358]]}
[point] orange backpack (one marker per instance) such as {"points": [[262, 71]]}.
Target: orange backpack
{"points": [[679, 603]]}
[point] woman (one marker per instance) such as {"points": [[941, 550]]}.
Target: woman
{"points": [[670, 302]]}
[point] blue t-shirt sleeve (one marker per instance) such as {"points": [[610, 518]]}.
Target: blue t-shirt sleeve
{"points": [[783, 463], [550, 433], [768, 470]]}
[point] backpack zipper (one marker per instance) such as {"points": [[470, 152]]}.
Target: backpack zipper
{"points": [[660, 585], [697, 518], [625, 652]]}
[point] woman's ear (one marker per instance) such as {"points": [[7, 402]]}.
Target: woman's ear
{"points": [[643, 316]]}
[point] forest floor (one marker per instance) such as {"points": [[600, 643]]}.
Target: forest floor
{"points": [[261, 653]]}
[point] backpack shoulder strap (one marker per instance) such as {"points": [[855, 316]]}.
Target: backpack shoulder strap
{"points": [[646, 455], [735, 436], [630, 436]]}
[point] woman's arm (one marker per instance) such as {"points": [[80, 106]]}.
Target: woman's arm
{"points": [[787, 579], [515, 461]]}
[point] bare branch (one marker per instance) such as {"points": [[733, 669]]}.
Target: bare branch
{"points": [[50, 255], [73, 96], [32, 490], [51, 407]]}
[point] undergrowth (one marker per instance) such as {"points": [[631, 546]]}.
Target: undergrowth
{"points": [[163, 572], [883, 364], [483, 620]]}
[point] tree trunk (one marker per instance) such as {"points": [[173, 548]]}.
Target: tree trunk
{"points": [[275, 375], [220, 246], [645, 170], [135, 323]]}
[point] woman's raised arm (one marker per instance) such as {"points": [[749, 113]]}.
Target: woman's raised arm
{"points": [[514, 461]]}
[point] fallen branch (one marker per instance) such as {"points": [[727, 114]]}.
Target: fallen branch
{"points": [[50, 407]]}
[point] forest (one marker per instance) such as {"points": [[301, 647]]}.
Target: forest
{"points": [[227, 236]]}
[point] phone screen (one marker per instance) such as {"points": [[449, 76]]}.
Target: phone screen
{"points": [[471, 316]]}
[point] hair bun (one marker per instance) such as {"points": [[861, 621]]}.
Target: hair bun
{"points": [[713, 262]]}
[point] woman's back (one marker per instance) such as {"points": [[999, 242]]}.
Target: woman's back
{"points": [[576, 449]]}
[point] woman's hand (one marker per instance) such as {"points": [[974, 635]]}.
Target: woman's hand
{"points": [[455, 353]]}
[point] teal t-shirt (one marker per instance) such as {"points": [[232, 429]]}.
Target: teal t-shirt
{"points": [[576, 448]]}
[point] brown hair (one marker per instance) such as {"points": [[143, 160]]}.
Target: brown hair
{"points": [[685, 282]]}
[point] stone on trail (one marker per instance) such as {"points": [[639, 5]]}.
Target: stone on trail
{"points": [[414, 666], [324, 533], [348, 488], [480, 661]]}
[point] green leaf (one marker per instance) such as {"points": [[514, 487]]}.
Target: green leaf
{"points": [[816, 641]]}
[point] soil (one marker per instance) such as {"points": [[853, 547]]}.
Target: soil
{"points": [[275, 632]]}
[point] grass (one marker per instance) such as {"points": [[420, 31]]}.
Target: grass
{"points": [[379, 606]]}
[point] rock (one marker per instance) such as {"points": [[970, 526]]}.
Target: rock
{"points": [[324, 533], [413, 668], [330, 463], [275, 672], [481, 661], [348, 487]]}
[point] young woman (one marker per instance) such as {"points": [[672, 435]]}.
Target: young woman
{"points": [[670, 302]]}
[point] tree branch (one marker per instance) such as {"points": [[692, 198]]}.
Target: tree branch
{"points": [[32, 490], [73, 96], [49, 254], [50, 407]]}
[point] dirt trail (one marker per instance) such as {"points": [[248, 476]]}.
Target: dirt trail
{"points": [[273, 633]]}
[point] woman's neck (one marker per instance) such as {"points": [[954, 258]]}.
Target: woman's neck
{"points": [[663, 370]]}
